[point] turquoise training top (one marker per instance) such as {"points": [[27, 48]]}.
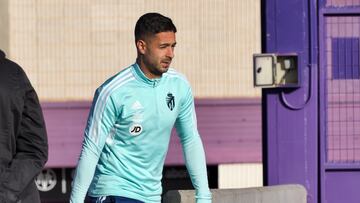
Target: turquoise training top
{"points": [[127, 137]]}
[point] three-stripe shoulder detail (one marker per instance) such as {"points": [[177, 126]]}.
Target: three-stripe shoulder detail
{"points": [[107, 89]]}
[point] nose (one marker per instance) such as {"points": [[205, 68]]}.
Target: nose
{"points": [[170, 52]]}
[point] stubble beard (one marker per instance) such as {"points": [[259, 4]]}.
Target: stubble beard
{"points": [[159, 68]]}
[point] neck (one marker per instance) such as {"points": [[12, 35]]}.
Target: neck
{"points": [[145, 69]]}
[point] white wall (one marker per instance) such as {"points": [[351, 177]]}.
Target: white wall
{"points": [[242, 175], [69, 47]]}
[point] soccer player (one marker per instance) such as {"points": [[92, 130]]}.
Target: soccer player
{"points": [[130, 122]]}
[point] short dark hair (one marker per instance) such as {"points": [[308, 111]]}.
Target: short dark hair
{"points": [[151, 24]]}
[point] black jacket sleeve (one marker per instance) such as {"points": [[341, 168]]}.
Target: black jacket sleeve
{"points": [[31, 147]]}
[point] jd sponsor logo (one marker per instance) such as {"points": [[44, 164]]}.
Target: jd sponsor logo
{"points": [[135, 129]]}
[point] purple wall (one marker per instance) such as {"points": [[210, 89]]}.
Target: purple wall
{"points": [[230, 130], [311, 134], [339, 101], [342, 187], [290, 116]]}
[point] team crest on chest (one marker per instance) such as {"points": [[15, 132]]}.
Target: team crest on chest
{"points": [[170, 101]]}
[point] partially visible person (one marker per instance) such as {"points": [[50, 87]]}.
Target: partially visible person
{"points": [[23, 139]]}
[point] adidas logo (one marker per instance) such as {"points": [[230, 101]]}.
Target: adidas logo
{"points": [[136, 105]]}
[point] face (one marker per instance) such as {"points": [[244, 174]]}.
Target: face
{"points": [[156, 53]]}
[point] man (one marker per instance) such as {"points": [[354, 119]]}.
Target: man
{"points": [[23, 140], [130, 122]]}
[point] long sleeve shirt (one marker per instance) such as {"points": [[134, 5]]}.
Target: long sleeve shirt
{"points": [[23, 139], [128, 133]]}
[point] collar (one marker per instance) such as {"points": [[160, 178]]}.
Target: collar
{"points": [[142, 77]]}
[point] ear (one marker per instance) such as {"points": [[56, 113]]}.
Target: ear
{"points": [[141, 46]]}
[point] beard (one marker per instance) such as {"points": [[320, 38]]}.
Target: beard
{"points": [[158, 68]]}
